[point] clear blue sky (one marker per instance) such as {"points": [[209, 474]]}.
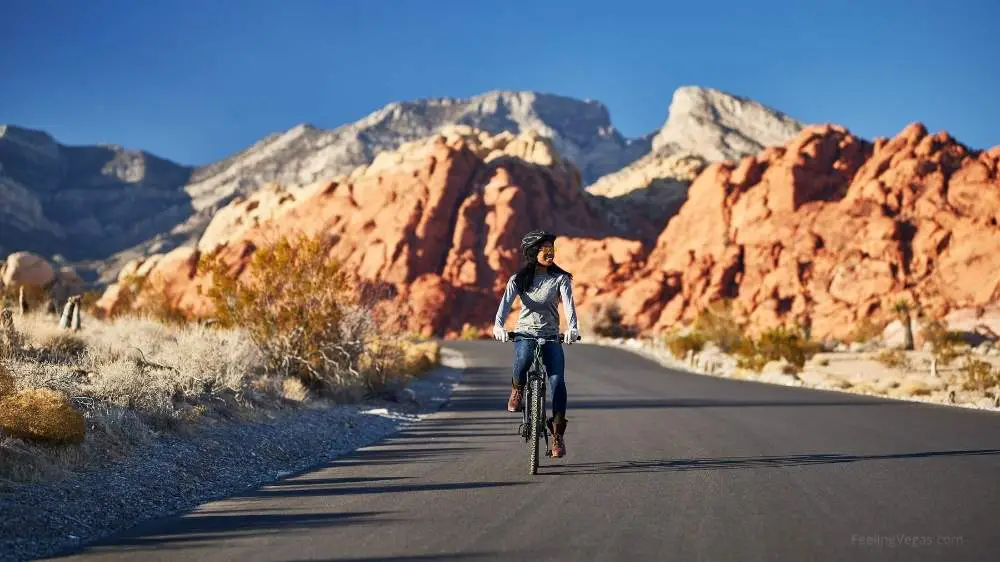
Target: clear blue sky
{"points": [[197, 80]]}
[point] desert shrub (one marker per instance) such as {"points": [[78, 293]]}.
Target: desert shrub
{"points": [[945, 344], [774, 345], [7, 383], [41, 414], [469, 332], [680, 344], [914, 388], [716, 324], [978, 374], [420, 357], [295, 304], [893, 358], [608, 321], [751, 361], [865, 331]]}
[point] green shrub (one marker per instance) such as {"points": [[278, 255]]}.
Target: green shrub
{"points": [[774, 345], [945, 344], [716, 324]]}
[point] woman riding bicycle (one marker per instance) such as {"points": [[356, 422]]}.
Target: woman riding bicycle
{"points": [[540, 284]]}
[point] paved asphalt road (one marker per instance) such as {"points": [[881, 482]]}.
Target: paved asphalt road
{"points": [[662, 465]]}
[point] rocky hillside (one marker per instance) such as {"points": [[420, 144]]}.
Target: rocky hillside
{"points": [[824, 230], [92, 202], [83, 201], [437, 219], [703, 126], [830, 229]]}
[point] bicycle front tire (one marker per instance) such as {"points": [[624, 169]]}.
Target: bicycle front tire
{"points": [[536, 425]]}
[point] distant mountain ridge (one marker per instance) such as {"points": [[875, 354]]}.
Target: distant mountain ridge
{"points": [[101, 202]]}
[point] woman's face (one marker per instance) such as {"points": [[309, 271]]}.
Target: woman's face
{"points": [[546, 254]]}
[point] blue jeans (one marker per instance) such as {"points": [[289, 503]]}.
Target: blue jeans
{"points": [[555, 366]]}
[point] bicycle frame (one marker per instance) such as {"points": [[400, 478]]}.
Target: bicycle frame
{"points": [[528, 430]]}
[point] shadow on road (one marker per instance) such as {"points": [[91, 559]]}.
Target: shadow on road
{"points": [[295, 488], [641, 403], [492, 385], [667, 465], [416, 557], [209, 527]]}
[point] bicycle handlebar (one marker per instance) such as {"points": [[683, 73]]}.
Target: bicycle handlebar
{"points": [[518, 335]]}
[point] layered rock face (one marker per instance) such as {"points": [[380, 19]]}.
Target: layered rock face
{"points": [[831, 229], [438, 223], [824, 231]]}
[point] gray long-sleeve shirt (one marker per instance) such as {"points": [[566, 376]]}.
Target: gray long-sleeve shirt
{"points": [[539, 315]]}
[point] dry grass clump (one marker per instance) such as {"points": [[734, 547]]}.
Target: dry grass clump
{"points": [[913, 387], [134, 378], [894, 359], [469, 332], [420, 357], [680, 344], [776, 344], [41, 414], [979, 375]]}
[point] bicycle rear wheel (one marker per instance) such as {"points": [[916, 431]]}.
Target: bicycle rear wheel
{"points": [[535, 403]]}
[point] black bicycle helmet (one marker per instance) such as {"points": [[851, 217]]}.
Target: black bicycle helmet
{"points": [[534, 240]]}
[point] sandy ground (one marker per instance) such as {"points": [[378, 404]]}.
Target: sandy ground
{"points": [[855, 372]]}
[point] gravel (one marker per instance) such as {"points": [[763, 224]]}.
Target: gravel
{"points": [[176, 474]]}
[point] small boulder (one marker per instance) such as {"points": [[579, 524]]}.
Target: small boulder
{"points": [[27, 269]]}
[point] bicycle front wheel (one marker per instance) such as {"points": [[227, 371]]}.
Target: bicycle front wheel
{"points": [[535, 403]]}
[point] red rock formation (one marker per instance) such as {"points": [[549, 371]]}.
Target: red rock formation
{"points": [[828, 229], [440, 229]]}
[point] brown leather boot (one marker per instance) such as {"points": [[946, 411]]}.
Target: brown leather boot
{"points": [[516, 396], [557, 427]]}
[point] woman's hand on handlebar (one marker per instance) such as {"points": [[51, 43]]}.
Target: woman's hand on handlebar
{"points": [[500, 334]]}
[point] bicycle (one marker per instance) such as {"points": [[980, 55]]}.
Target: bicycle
{"points": [[532, 426]]}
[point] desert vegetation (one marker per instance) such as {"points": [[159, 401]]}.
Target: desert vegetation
{"points": [[289, 331], [717, 326], [942, 365]]}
